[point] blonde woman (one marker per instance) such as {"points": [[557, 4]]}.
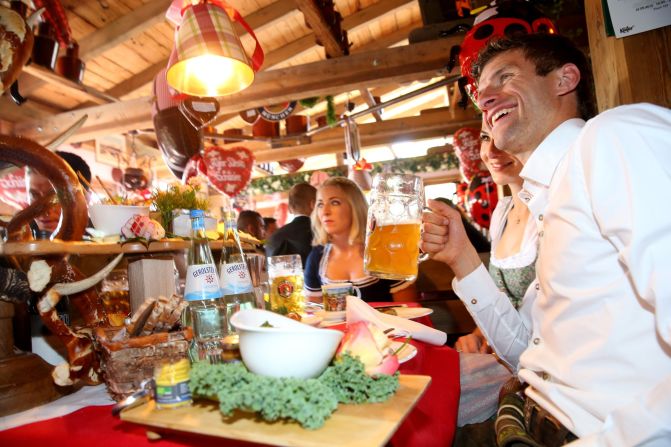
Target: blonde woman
{"points": [[339, 228]]}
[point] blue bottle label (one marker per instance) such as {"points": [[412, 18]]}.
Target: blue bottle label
{"points": [[235, 278], [201, 283]]}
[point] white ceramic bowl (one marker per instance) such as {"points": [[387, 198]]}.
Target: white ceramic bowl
{"points": [[110, 218], [288, 349]]}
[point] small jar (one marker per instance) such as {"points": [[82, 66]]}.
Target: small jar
{"points": [[172, 384]]}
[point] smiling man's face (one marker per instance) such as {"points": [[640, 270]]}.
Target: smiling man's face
{"points": [[516, 102]]}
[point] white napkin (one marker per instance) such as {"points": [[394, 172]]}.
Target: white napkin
{"points": [[84, 397], [358, 310]]}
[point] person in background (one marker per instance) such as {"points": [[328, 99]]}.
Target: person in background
{"points": [[512, 266], [339, 226], [252, 223], [296, 236], [270, 224], [37, 186], [592, 339], [514, 244]]}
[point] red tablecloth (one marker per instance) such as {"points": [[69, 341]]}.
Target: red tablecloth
{"points": [[431, 423]]}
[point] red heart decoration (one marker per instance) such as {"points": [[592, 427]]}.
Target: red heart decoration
{"points": [[230, 169]]}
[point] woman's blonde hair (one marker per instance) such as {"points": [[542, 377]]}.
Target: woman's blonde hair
{"points": [[358, 204]]}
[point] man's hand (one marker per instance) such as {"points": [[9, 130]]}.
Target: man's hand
{"points": [[444, 239], [474, 343]]}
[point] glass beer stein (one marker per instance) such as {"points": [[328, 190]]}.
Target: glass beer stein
{"points": [[393, 227]]}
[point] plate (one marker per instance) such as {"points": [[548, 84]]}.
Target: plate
{"points": [[331, 316], [364, 425], [312, 320], [411, 312], [408, 352]]}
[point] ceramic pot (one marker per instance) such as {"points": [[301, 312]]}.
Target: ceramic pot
{"points": [[70, 66]]}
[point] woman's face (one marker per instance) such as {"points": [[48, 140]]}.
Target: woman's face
{"points": [[504, 167], [334, 211], [39, 186]]}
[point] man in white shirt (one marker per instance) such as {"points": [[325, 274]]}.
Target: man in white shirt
{"points": [[593, 336]]}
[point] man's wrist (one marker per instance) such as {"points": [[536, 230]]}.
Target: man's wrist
{"points": [[466, 263]]}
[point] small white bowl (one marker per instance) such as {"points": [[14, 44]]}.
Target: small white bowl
{"points": [[110, 218], [288, 349]]}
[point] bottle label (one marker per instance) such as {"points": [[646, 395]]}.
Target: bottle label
{"points": [[235, 278], [201, 283]]}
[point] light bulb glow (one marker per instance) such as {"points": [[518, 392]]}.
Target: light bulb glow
{"points": [[210, 75]]}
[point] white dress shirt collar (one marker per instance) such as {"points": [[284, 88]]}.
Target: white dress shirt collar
{"points": [[543, 162]]}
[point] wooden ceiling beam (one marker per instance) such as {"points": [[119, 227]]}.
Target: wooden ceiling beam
{"points": [[430, 125], [375, 68], [323, 31], [122, 29], [400, 64]]}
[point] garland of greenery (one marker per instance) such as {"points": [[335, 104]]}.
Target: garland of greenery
{"points": [[430, 163]]}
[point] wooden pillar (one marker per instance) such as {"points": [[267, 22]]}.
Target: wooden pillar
{"points": [[630, 69]]}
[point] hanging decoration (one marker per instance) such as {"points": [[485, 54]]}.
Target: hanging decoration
{"points": [[208, 58], [277, 112], [177, 138], [467, 148], [317, 178], [481, 199], [503, 18], [229, 170], [431, 163], [352, 139]]}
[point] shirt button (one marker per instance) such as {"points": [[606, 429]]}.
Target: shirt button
{"points": [[537, 341], [540, 217], [474, 301], [545, 376], [540, 234], [538, 286]]}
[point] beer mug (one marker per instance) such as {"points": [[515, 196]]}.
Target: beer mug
{"points": [[393, 230], [285, 275]]}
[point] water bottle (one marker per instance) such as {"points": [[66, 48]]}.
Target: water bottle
{"points": [[234, 277], [207, 306]]}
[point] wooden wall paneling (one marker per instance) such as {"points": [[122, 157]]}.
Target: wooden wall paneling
{"points": [[631, 69]]}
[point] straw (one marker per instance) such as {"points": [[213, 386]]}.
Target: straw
{"points": [[114, 201]]}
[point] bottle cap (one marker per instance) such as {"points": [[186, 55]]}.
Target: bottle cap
{"points": [[196, 213]]}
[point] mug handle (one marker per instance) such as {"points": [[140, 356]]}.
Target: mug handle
{"points": [[356, 291], [424, 256]]}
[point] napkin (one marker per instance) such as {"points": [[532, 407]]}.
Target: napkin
{"points": [[358, 310]]}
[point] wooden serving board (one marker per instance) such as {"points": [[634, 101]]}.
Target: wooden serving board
{"points": [[365, 425]]}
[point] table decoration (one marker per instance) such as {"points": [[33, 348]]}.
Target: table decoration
{"points": [[177, 196]]}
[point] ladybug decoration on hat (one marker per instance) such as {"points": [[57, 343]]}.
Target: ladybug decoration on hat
{"points": [[503, 18]]}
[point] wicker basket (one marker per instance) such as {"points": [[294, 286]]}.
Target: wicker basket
{"points": [[126, 363]]}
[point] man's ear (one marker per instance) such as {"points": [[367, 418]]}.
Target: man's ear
{"points": [[568, 78]]}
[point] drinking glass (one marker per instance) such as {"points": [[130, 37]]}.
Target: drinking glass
{"points": [[393, 230], [285, 275], [115, 298]]}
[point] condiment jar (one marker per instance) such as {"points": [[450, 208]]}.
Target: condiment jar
{"points": [[172, 384]]}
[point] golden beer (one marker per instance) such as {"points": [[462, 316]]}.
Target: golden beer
{"points": [[392, 251], [286, 294], [116, 305]]}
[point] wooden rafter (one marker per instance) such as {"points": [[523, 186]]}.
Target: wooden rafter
{"points": [[322, 30], [400, 64], [80, 91], [123, 28], [430, 125]]}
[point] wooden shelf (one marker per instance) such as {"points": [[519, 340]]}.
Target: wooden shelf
{"points": [[38, 248]]}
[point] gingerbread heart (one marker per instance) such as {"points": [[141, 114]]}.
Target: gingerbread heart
{"points": [[230, 169]]}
